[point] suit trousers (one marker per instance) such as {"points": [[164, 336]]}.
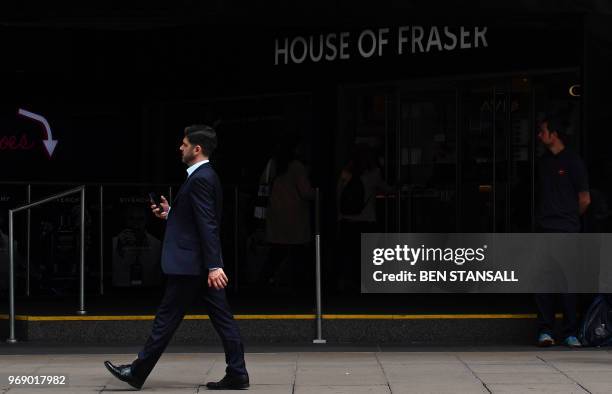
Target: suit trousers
{"points": [[181, 292]]}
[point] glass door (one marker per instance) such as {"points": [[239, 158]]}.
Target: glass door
{"points": [[368, 122], [428, 161], [465, 158], [479, 107], [497, 163], [462, 153], [521, 159]]}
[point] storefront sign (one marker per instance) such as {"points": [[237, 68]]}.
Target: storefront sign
{"points": [[12, 142], [377, 43]]}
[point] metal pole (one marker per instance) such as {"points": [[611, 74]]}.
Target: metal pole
{"points": [[493, 167], [28, 241], [11, 338], [319, 339], [532, 157], [48, 199], [387, 160], [101, 240], [81, 310], [398, 159], [169, 194], [236, 221]]}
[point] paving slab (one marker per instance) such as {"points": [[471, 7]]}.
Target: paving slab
{"points": [[417, 358], [190, 373], [593, 381], [523, 377], [150, 389], [259, 389], [598, 388], [349, 375], [336, 372], [530, 388], [602, 367], [260, 374], [588, 376], [78, 375], [271, 358], [500, 357], [434, 387], [428, 373], [55, 390], [576, 355], [512, 368], [337, 359], [343, 390]]}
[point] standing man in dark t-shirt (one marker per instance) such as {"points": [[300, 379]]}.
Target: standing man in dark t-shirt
{"points": [[563, 198]]}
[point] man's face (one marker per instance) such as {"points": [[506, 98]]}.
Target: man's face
{"points": [[188, 151], [544, 134]]}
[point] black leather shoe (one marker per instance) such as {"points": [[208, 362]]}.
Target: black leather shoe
{"points": [[230, 382], [124, 373]]}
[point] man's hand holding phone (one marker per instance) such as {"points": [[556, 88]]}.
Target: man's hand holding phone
{"points": [[159, 207]]}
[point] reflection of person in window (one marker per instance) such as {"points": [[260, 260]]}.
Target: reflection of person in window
{"points": [[136, 253], [288, 216], [359, 217], [4, 256]]}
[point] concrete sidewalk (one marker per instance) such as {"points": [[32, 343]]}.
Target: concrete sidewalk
{"points": [[355, 372]]}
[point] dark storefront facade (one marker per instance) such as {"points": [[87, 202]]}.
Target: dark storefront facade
{"points": [[448, 104]]}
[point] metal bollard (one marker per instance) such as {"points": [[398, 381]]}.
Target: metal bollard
{"points": [[81, 310], [11, 338], [236, 224], [101, 240], [28, 240], [319, 339]]}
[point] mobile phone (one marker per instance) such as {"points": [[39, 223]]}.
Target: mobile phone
{"points": [[156, 200]]}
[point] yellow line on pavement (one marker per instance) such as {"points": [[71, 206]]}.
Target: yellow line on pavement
{"points": [[285, 317], [432, 317]]}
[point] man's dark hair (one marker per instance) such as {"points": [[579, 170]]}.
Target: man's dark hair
{"points": [[556, 125], [202, 135]]}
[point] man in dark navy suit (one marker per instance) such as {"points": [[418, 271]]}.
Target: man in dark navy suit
{"points": [[191, 249]]}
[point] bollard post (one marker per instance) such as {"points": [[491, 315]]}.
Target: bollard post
{"points": [[81, 310], [28, 241], [236, 224], [11, 339], [319, 318], [101, 240]]}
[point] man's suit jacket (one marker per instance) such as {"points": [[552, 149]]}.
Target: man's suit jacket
{"points": [[192, 243]]}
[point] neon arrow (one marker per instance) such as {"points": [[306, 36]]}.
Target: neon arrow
{"points": [[49, 143]]}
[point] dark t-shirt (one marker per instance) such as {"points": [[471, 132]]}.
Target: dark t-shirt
{"points": [[560, 177]]}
